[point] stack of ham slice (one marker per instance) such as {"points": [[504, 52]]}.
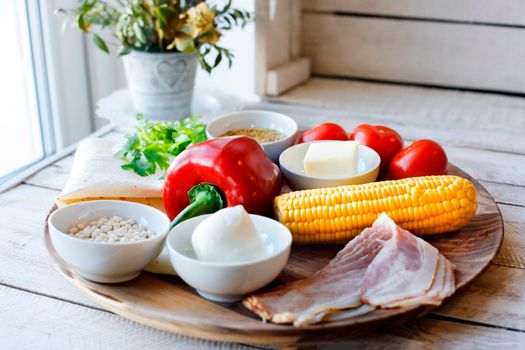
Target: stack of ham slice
{"points": [[384, 267]]}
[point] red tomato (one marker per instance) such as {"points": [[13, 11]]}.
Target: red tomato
{"points": [[325, 131], [385, 141], [421, 158]]}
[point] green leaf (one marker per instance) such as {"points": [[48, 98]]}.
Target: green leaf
{"points": [[87, 5], [160, 16], [121, 151], [206, 51], [80, 23], [124, 50], [163, 11], [229, 26], [140, 166], [225, 8], [218, 59], [139, 33], [179, 147], [157, 158], [101, 44], [204, 64], [155, 143], [233, 17]]}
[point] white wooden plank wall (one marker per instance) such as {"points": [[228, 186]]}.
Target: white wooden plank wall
{"points": [[470, 44], [509, 12], [452, 55]]}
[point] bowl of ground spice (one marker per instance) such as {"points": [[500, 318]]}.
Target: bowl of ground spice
{"points": [[274, 131]]}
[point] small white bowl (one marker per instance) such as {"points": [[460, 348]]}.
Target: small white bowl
{"points": [[291, 163], [261, 120], [229, 282], [107, 262]]}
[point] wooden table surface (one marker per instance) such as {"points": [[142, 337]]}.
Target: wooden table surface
{"points": [[39, 309]]}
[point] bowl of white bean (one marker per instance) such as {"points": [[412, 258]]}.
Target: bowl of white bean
{"points": [[108, 241]]}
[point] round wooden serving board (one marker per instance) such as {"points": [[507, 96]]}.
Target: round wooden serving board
{"points": [[167, 303]]}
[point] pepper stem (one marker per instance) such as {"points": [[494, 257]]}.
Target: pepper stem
{"points": [[205, 198]]}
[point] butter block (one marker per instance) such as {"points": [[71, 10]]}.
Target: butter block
{"points": [[331, 159]]}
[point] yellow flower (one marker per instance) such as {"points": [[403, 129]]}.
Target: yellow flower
{"points": [[200, 18], [211, 37]]}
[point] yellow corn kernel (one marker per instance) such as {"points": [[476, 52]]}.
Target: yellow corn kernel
{"points": [[424, 205]]}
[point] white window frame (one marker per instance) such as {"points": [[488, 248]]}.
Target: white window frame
{"points": [[81, 74], [67, 72], [65, 65]]}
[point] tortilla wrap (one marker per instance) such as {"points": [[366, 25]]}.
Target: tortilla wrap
{"points": [[96, 174]]}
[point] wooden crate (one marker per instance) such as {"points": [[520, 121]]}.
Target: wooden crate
{"points": [[476, 45]]}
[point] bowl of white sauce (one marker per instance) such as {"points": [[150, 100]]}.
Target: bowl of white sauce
{"points": [[229, 254]]}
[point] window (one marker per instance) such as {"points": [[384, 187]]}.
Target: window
{"points": [[45, 87], [25, 136]]}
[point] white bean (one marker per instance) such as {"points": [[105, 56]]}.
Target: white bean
{"points": [[111, 230]]}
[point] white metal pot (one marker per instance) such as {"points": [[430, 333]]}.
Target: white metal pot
{"points": [[161, 84]]}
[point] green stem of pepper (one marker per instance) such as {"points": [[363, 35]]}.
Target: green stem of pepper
{"points": [[205, 198]]}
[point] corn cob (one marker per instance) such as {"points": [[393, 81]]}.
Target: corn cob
{"points": [[422, 205]]}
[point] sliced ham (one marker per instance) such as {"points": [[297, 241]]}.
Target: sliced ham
{"points": [[337, 286], [432, 296], [333, 315], [444, 287], [404, 268], [384, 267]]}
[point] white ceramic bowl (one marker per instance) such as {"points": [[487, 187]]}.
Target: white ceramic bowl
{"points": [[107, 262], [228, 282], [261, 120], [291, 163]]}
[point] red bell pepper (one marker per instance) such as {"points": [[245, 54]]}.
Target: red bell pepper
{"points": [[217, 173]]}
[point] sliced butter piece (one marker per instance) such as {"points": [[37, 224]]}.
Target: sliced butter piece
{"points": [[331, 159]]}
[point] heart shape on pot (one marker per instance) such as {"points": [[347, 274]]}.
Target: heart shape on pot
{"points": [[169, 72]]}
